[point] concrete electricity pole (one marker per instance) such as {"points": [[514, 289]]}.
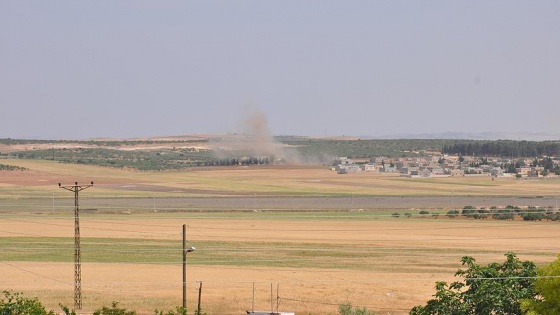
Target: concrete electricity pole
{"points": [[77, 255], [185, 251]]}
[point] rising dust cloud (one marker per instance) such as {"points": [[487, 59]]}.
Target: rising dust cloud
{"points": [[254, 140]]}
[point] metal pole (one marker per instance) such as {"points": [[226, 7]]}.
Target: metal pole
{"points": [[199, 296], [185, 266], [277, 296], [77, 254], [452, 200]]}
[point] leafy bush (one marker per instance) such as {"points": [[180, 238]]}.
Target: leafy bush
{"points": [[492, 289], [452, 213], [482, 214], [66, 310], [346, 309], [113, 310], [16, 303], [179, 310], [469, 211], [547, 286], [6, 167], [552, 216], [503, 214], [533, 214]]}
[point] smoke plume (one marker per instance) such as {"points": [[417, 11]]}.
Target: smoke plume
{"points": [[253, 139]]}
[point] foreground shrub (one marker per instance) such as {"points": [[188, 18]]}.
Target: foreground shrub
{"points": [[113, 310], [178, 311], [547, 286], [493, 289], [346, 309], [16, 303]]}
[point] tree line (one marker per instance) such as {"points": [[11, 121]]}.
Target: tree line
{"points": [[500, 148]]}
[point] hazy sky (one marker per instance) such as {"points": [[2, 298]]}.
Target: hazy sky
{"points": [[86, 69]]}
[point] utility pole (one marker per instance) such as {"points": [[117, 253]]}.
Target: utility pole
{"points": [[185, 266], [452, 200], [77, 255], [199, 296], [185, 251]]}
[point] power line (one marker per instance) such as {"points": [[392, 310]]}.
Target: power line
{"points": [[91, 228], [34, 273]]}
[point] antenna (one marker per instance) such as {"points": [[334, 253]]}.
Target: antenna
{"points": [[77, 255]]}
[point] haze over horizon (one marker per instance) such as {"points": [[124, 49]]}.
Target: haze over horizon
{"points": [[126, 69]]}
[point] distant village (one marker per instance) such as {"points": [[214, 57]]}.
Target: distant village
{"points": [[450, 166]]}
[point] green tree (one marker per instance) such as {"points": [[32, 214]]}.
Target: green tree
{"points": [[469, 211], [492, 289], [452, 213], [547, 286], [113, 310], [16, 304], [66, 310]]}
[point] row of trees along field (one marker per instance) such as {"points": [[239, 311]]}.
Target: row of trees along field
{"points": [[530, 213], [508, 288], [503, 148]]}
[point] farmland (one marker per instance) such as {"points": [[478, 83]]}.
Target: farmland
{"points": [[313, 238]]}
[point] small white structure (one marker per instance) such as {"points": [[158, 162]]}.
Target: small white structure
{"points": [[497, 171]]}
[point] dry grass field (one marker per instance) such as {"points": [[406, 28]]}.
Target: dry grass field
{"points": [[300, 259]]}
